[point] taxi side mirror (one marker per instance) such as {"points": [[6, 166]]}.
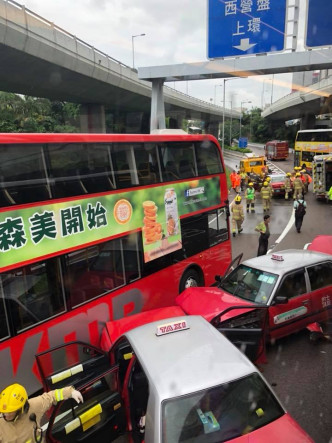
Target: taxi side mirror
{"points": [[280, 300]]}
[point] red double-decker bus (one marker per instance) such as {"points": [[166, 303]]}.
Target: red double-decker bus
{"points": [[94, 227]]}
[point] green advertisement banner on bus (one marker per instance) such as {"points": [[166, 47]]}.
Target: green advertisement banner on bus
{"points": [[32, 232]]}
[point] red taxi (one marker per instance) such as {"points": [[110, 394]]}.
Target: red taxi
{"points": [[295, 286], [278, 184], [175, 380], [321, 243]]}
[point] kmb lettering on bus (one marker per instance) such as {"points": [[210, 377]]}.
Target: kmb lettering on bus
{"points": [[17, 362]]}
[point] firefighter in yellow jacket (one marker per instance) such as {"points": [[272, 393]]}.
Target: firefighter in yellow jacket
{"points": [[237, 215], [20, 417], [266, 196], [288, 185], [298, 187]]}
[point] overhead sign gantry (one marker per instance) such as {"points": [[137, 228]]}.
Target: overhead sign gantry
{"points": [[319, 19], [241, 27]]}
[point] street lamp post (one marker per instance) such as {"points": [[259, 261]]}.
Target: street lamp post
{"points": [[230, 125], [241, 116], [132, 45], [223, 111]]}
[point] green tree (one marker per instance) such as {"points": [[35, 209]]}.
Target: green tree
{"points": [[30, 114]]}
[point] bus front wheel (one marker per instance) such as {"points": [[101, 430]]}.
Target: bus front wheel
{"points": [[190, 279]]}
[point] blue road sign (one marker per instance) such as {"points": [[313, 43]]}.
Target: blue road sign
{"points": [[241, 27], [319, 21]]}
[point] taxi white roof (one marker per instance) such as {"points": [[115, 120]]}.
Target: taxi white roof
{"points": [[293, 259], [187, 361]]}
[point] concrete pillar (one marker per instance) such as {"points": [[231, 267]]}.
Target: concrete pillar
{"points": [[92, 118], [308, 121], [157, 120]]}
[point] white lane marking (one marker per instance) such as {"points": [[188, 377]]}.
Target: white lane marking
{"points": [[284, 232]]}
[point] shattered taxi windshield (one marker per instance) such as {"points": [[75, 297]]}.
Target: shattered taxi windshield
{"points": [[250, 284]]}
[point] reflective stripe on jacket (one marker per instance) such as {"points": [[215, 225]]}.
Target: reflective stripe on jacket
{"points": [[266, 192], [22, 430], [298, 183], [237, 211]]}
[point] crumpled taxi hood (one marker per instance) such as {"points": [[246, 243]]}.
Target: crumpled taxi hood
{"points": [[209, 302]]}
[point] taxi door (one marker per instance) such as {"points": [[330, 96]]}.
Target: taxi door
{"points": [[291, 307], [247, 330], [101, 417]]}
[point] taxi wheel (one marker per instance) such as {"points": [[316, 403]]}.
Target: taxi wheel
{"points": [[190, 279]]}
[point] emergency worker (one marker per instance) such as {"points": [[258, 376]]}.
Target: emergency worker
{"points": [[243, 176], [298, 186], [266, 196], [264, 230], [237, 215], [287, 185], [329, 195], [237, 182], [306, 180], [300, 210], [233, 178], [20, 417], [268, 180], [250, 197]]}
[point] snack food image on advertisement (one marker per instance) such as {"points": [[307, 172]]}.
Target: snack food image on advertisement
{"points": [[171, 212], [151, 229], [170, 225], [122, 211]]}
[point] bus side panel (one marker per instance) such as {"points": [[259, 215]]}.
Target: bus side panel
{"points": [[85, 323]]}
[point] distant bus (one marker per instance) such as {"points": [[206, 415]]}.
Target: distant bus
{"points": [[194, 130], [311, 142], [94, 227]]}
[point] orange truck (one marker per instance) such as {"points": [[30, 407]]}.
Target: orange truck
{"points": [[276, 150]]}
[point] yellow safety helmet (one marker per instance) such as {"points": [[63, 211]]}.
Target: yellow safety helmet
{"points": [[289, 174], [297, 168], [238, 198], [297, 174], [250, 184], [265, 184], [13, 398], [268, 179], [303, 171]]}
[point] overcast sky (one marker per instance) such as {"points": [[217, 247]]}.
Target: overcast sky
{"points": [[176, 32]]}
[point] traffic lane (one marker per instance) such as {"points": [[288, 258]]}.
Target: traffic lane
{"points": [[317, 221], [247, 242], [300, 372]]}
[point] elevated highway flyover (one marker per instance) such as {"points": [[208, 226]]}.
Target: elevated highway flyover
{"points": [[43, 60]]}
